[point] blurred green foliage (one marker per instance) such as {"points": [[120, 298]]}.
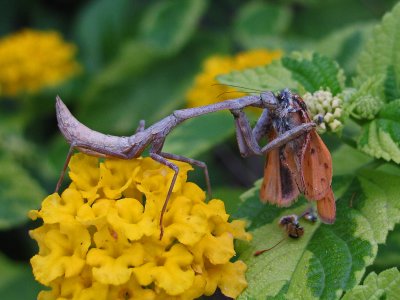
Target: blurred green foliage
{"points": [[140, 57]]}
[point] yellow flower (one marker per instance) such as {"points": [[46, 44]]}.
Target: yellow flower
{"points": [[31, 59], [100, 238], [206, 89]]}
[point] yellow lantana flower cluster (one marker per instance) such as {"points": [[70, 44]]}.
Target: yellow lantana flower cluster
{"points": [[100, 238], [205, 91], [31, 59]]}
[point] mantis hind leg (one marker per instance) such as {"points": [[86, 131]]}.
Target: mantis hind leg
{"points": [[69, 155], [164, 161], [194, 162], [93, 151], [162, 158]]}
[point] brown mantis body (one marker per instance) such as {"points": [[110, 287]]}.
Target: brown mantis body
{"points": [[98, 144]]}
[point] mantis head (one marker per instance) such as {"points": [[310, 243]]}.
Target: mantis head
{"points": [[269, 100]]}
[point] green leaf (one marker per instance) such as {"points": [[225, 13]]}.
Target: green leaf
{"points": [[379, 64], [11, 138], [151, 97], [382, 50], [381, 137], [271, 77], [297, 71], [368, 99], [197, 135], [392, 84], [328, 259], [101, 26], [320, 19], [16, 281], [257, 20], [168, 25], [345, 45], [165, 29], [347, 159], [19, 193], [8, 12], [133, 58], [386, 285], [230, 196], [388, 254], [15, 146], [316, 72]]}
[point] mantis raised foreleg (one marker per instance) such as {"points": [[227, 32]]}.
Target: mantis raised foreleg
{"points": [[248, 138]]}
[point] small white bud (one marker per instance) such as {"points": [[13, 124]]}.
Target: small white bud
{"points": [[319, 108], [335, 124], [338, 112], [321, 128], [328, 117], [326, 104], [336, 102]]}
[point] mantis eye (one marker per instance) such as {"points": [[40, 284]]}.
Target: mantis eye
{"points": [[285, 95]]}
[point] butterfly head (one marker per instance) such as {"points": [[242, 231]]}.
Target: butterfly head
{"points": [[286, 100]]}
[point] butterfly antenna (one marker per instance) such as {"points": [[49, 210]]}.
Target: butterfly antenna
{"points": [[239, 86], [228, 92], [257, 253]]}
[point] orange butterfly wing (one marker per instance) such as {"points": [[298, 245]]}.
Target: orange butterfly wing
{"points": [[279, 184], [316, 167], [327, 208]]}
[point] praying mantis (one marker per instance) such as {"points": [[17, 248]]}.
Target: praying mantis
{"points": [[94, 143]]}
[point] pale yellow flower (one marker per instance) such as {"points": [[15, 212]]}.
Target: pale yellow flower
{"points": [[100, 238], [32, 59], [206, 89]]}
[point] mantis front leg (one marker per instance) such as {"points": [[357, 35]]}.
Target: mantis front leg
{"points": [[248, 144], [248, 138]]}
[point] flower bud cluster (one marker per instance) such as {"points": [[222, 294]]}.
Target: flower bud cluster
{"points": [[325, 109]]}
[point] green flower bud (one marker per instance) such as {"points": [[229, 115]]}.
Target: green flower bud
{"points": [[367, 106]]}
